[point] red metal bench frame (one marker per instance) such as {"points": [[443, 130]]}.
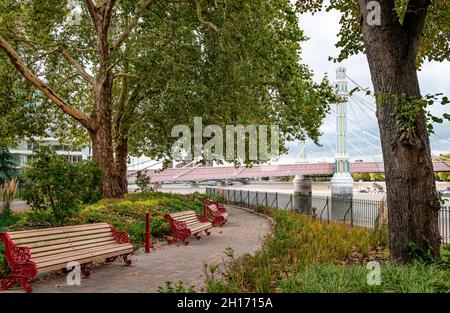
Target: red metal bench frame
{"points": [[23, 269], [216, 219], [220, 207], [180, 231]]}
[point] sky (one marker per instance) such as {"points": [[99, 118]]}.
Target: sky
{"points": [[363, 134], [322, 29]]}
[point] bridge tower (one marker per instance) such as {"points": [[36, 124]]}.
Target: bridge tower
{"points": [[342, 181]]}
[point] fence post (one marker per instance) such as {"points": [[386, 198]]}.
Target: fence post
{"points": [[248, 198], [328, 209], [351, 212], [276, 200], [267, 203]]}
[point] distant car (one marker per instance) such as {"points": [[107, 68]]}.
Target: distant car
{"points": [[363, 191]]}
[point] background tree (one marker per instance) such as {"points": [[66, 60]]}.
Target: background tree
{"points": [[409, 32], [8, 165], [130, 70]]}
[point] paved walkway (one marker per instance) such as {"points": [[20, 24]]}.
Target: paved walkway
{"points": [[244, 232]]}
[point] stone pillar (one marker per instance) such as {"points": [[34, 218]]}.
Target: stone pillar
{"points": [[302, 194], [156, 186]]}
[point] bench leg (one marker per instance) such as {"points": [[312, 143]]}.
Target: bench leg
{"points": [[112, 259], [197, 236], [207, 232], [11, 281], [85, 270], [127, 261]]}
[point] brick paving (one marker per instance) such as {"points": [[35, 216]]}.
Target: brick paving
{"points": [[244, 232]]}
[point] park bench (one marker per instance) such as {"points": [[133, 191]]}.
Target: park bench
{"points": [[219, 206], [186, 224], [217, 217], [36, 251]]}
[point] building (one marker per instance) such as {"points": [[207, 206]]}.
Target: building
{"points": [[26, 147]]}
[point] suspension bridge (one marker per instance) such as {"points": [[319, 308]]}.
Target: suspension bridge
{"points": [[355, 128]]}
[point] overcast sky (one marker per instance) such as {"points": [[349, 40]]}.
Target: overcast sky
{"points": [[322, 29]]}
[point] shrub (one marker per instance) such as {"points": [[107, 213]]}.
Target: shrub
{"points": [[129, 214], [298, 241], [7, 194], [143, 182], [55, 188]]}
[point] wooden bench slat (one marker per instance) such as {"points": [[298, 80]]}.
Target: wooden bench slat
{"points": [[65, 260], [73, 253], [59, 266], [69, 247], [71, 244], [55, 230], [62, 236], [66, 240]]}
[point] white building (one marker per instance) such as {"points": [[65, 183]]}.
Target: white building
{"points": [[26, 148]]}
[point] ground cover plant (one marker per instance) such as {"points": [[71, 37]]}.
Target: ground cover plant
{"points": [[307, 255]]}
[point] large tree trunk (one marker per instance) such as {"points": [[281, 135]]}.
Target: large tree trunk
{"points": [[121, 164], [102, 137], [411, 193]]}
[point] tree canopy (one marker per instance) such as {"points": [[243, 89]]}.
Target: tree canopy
{"points": [[230, 62]]}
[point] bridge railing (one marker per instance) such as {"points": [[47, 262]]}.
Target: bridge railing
{"points": [[359, 212]]}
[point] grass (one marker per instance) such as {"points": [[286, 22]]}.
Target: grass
{"points": [[307, 255], [328, 278]]}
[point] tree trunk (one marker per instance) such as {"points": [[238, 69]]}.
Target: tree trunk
{"points": [[411, 192], [101, 137], [121, 163]]}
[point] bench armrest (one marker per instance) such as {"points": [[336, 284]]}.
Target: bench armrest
{"points": [[201, 218], [174, 224], [15, 254], [120, 237]]}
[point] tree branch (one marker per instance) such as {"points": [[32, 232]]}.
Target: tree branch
{"points": [[414, 20], [33, 79], [80, 69], [133, 23], [93, 12], [198, 10]]}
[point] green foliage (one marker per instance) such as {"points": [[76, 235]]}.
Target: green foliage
{"points": [[55, 188], [328, 278], [434, 43], [7, 194], [178, 288], [297, 242], [143, 181], [8, 164], [306, 255], [246, 69], [129, 214]]}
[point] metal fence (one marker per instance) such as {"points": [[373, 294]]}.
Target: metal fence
{"points": [[360, 212]]}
